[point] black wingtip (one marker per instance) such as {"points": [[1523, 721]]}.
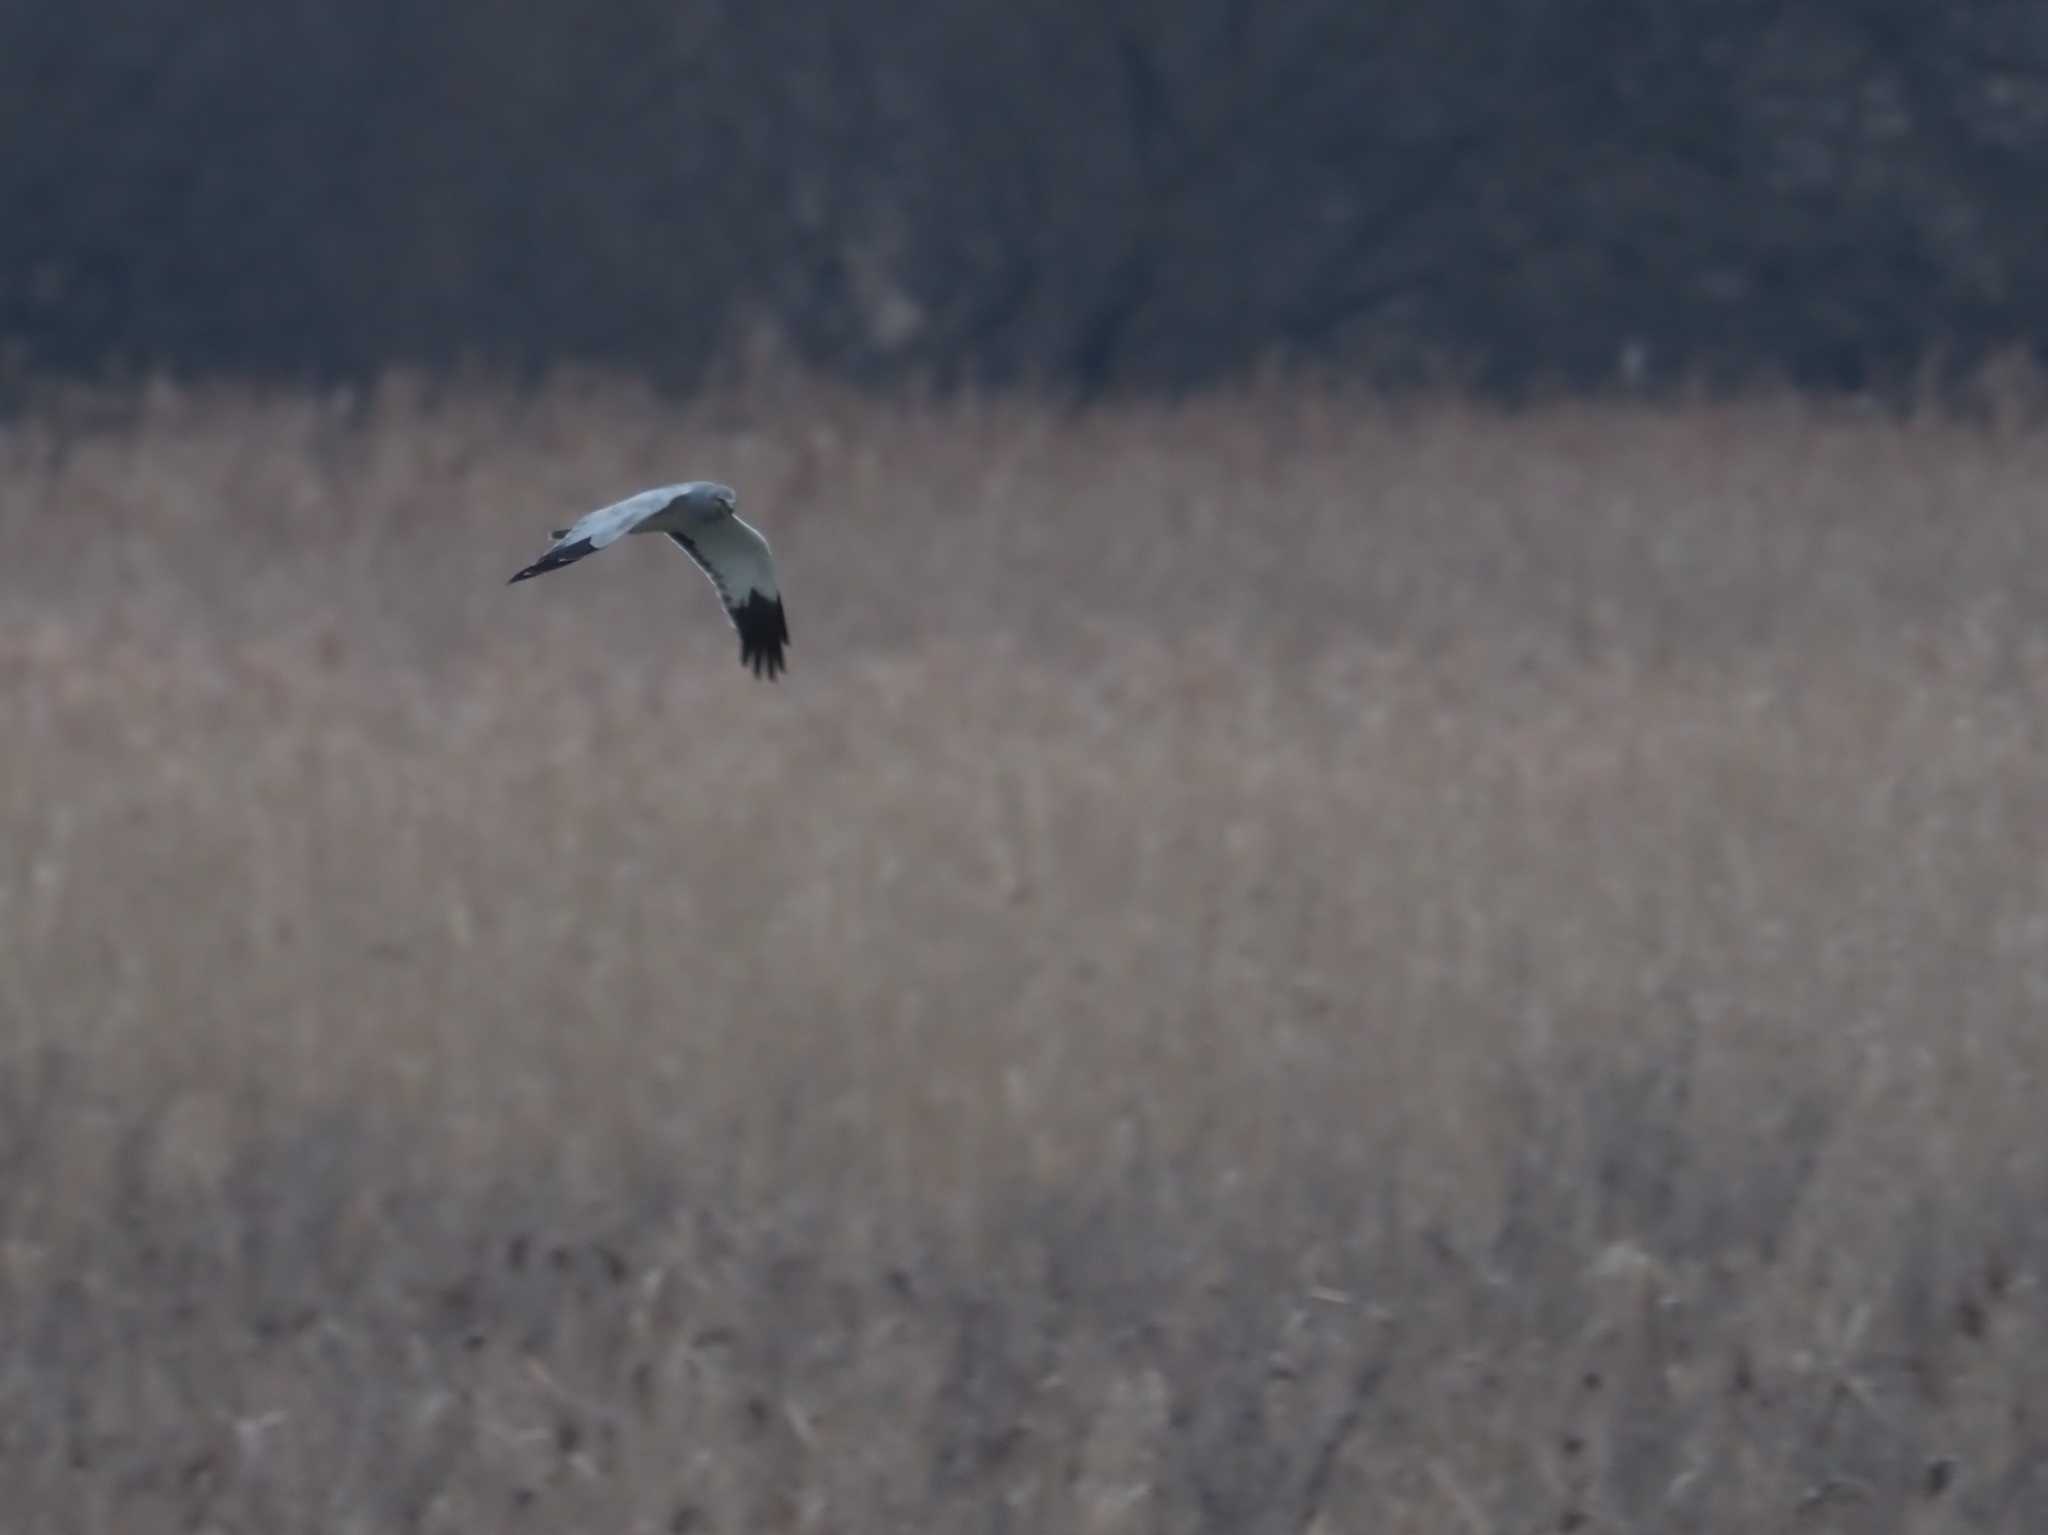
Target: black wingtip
{"points": [[763, 634], [554, 559]]}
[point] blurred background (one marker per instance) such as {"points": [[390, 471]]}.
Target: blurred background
{"points": [[1401, 881], [1142, 195]]}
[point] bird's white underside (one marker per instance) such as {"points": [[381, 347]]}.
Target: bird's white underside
{"points": [[731, 553]]}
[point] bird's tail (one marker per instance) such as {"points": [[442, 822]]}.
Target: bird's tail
{"points": [[555, 559]]}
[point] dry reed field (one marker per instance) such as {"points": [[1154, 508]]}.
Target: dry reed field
{"points": [[1281, 963]]}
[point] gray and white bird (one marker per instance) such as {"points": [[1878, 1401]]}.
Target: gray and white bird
{"points": [[701, 519]]}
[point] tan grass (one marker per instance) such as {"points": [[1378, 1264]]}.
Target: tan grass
{"points": [[1275, 964]]}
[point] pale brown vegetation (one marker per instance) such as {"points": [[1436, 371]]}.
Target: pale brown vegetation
{"points": [[1278, 964]]}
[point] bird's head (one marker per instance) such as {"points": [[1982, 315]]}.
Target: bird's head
{"points": [[700, 503]]}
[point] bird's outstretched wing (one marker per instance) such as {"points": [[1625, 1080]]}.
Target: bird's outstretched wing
{"points": [[596, 530], [737, 560]]}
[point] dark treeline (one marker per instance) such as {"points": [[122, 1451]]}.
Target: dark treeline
{"points": [[1096, 194]]}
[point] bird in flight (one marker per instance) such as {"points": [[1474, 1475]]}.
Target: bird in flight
{"points": [[701, 519]]}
